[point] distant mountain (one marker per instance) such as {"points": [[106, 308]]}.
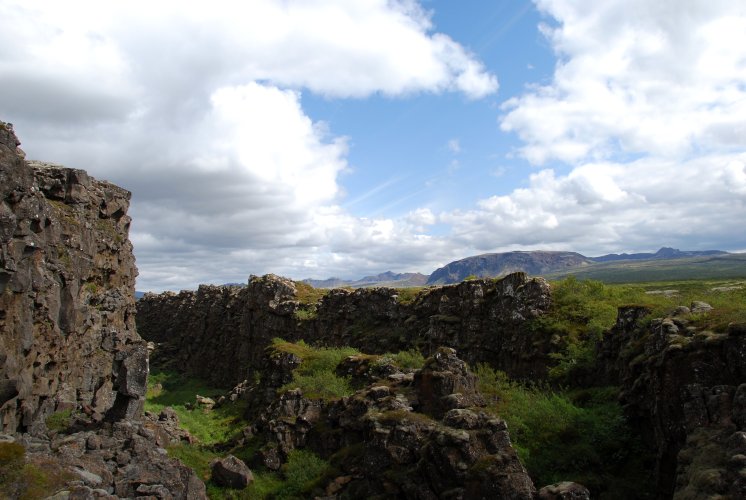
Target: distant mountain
{"points": [[139, 295], [491, 265], [663, 253], [390, 279]]}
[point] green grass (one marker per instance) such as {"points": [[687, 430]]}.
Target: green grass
{"points": [[577, 436], [408, 295], [316, 374], [411, 359], [306, 294], [209, 427], [731, 266]]}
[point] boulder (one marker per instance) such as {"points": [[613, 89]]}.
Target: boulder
{"points": [[231, 472]]}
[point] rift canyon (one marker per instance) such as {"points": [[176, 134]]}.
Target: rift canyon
{"points": [[513, 387]]}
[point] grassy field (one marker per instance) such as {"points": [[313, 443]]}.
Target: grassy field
{"points": [[731, 266]]}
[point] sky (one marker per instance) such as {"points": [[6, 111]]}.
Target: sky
{"points": [[320, 138]]}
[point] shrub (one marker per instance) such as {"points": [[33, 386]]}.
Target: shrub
{"points": [[316, 375], [60, 421], [581, 436], [302, 473]]}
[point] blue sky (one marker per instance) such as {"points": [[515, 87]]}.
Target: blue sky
{"points": [[319, 138]]}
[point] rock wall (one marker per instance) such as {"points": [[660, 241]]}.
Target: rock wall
{"points": [[220, 333], [687, 388], [67, 310]]}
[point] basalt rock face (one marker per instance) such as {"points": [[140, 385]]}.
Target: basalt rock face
{"points": [[403, 435], [66, 295], [68, 343], [220, 333], [687, 388]]}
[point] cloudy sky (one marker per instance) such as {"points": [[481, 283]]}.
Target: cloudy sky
{"points": [[318, 138]]}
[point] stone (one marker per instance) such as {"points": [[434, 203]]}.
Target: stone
{"points": [[231, 472], [699, 307], [564, 491]]}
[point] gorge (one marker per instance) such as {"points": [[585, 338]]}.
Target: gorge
{"points": [[76, 352]]}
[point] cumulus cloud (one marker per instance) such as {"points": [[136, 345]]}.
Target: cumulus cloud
{"points": [[660, 78], [601, 207], [196, 108]]}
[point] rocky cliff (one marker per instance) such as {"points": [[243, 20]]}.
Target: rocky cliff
{"points": [[686, 387], [67, 309], [73, 369], [220, 333]]}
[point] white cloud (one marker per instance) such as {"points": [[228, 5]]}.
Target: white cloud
{"points": [[660, 78], [454, 146], [195, 107], [602, 207]]}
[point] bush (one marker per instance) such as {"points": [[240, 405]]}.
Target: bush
{"points": [[563, 436]]}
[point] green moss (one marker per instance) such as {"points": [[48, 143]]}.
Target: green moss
{"points": [[402, 416]]}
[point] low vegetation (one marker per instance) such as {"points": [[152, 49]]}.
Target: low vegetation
{"points": [[583, 309], [24, 480], [316, 375], [577, 436], [214, 428], [307, 294], [179, 392]]}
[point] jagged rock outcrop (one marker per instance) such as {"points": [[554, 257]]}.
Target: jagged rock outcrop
{"points": [[73, 369], [116, 460], [220, 333], [420, 437], [686, 387], [67, 311]]}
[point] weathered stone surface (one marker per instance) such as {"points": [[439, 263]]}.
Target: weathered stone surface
{"points": [[67, 334], [231, 472], [445, 383], [220, 333], [393, 449], [67, 309], [688, 394]]}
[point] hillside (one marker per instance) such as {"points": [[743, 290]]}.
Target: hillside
{"points": [[664, 253], [491, 265], [725, 266]]}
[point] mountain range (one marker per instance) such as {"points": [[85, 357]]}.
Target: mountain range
{"points": [[536, 262]]}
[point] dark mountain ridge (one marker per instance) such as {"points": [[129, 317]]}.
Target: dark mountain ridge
{"points": [[492, 265]]}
